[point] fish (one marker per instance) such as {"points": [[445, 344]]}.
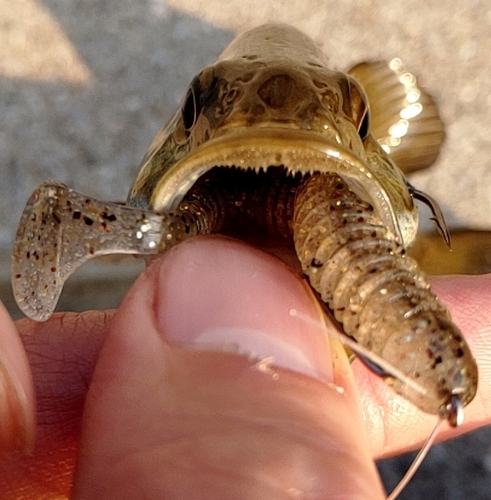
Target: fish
{"points": [[272, 146]]}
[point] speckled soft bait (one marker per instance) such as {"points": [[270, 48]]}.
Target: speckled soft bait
{"points": [[272, 146]]}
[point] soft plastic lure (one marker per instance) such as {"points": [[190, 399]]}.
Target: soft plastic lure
{"points": [[272, 146]]}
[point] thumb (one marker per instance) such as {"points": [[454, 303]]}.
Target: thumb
{"points": [[208, 388]]}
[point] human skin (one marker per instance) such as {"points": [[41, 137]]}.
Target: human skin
{"points": [[203, 385]]}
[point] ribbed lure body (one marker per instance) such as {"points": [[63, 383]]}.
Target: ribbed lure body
{"points": [[379, 295]]}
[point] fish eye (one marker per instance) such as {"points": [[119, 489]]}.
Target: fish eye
{"points": [[192, 106]]}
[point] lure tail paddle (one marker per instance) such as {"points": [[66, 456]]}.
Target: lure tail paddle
{"points": [[61, 229]]}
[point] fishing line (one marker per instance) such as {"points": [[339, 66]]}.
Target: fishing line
{"points": [[416, 462], [338, 334]]}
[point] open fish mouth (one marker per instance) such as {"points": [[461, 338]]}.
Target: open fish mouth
{"points": [[298, 151]]}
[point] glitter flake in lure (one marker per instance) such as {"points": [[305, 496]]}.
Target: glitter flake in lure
{"points": [[272, 146]]}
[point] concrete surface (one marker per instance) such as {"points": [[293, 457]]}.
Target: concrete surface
{"points": [[85, 85]]}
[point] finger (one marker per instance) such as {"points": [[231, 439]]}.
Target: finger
{"points": [[62, 353], [395, 425], [16, 391], [207, 387]]}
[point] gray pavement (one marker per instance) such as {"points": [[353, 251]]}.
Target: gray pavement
{"points": [[85, 85]]}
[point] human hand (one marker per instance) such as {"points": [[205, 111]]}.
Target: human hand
{"points": [[166, 418]]}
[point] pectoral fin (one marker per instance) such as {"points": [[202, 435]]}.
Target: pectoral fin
{"points": [[404, 117]]}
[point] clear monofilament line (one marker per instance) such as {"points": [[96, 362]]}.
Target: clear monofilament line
{"points": [[357, 348], [61, 229], [416, 462]]}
